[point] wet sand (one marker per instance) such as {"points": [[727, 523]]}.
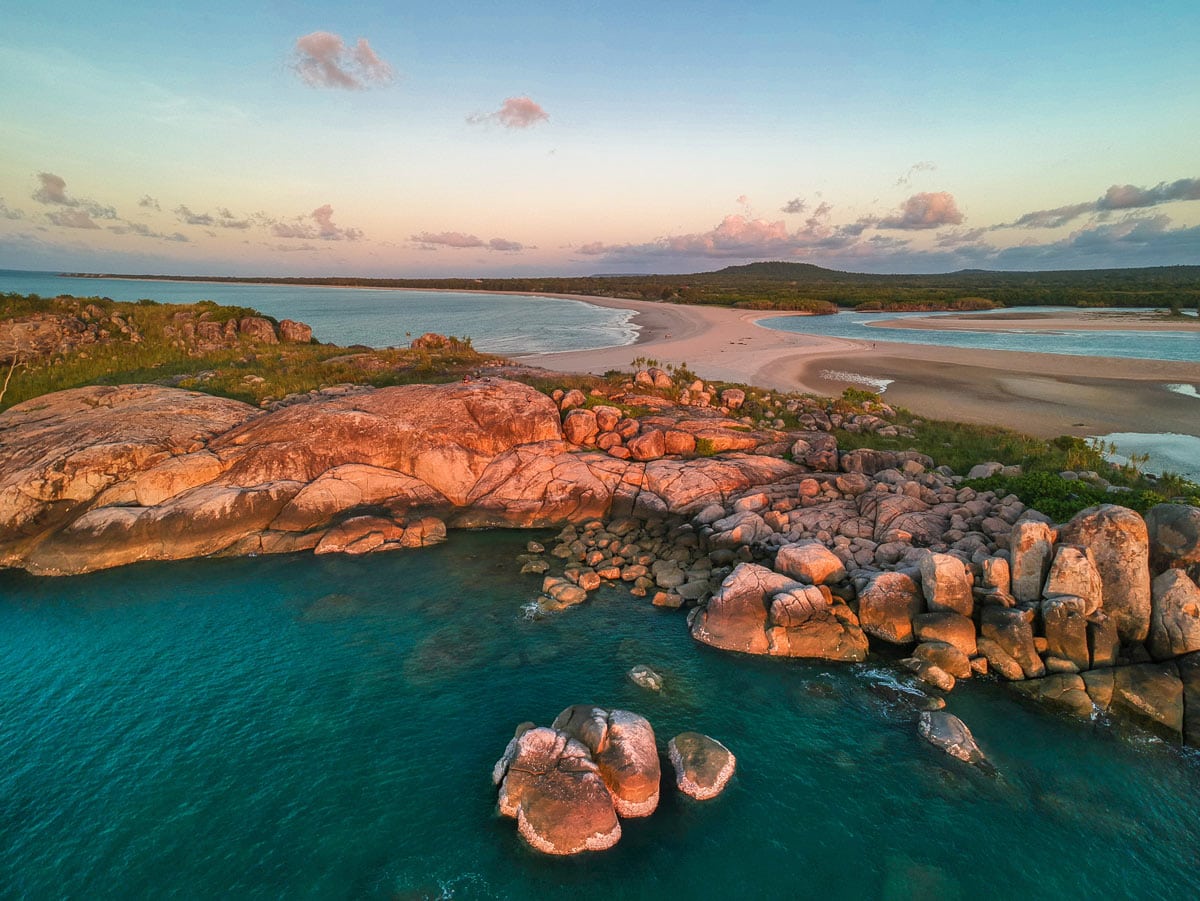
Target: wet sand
{"points": [[1041, 394]]}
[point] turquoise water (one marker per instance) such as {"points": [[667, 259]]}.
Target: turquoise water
{"points": [[323, 727], [496, 323], [1141, 345]]}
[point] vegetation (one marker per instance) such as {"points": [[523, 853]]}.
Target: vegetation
{"points": [[803, 287], [248, 370]]}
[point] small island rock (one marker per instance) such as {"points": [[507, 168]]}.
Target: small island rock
{"points": [[703, 766]]}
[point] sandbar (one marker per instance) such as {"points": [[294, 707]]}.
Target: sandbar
{"points": [[1039, 394]]}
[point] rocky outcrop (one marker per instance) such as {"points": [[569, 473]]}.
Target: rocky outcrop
{"points": [[98, 477], [567, 784], [703, 766]]}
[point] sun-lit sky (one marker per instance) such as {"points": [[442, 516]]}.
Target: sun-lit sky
{"points": [[405, 139]]}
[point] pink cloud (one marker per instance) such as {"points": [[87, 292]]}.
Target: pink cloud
{"points": [[515, 112], [72, 219], [503, 244], [447, 239], [735, 237], [323, 60], [461, 240], [322, 227], [925, 210]]}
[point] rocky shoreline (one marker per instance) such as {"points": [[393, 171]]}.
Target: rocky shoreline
{"points": [[777, 541]]}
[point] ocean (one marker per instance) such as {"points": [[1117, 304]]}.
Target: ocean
{"points": [[496, 323], [325, 727]]}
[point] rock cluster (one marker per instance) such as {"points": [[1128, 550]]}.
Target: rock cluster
{"points": [[47, 335], [569, 784], [200, 333]]}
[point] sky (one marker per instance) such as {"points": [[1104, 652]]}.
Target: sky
{"points": [[567, 138]]}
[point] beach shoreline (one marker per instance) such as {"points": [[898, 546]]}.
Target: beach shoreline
{"points": [[1041, 394]]}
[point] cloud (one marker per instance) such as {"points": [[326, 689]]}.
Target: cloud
{"points": [[185, 215], [1128, 197], [795, 206], [316, 225], [1117, 197], [916, 168], [515, 112], [142, 230], [736, 237], [322, 60], [149, 203], [53, 192], [461, 241], [504, 245], [924, 210], [6, 212], [327, 231], [72, 219]]}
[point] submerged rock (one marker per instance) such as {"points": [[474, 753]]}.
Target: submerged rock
{"points": [[950, 734], [644, 677]]}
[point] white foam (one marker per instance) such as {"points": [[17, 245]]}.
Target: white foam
{"points": [[1186, 390], [877, 385]]}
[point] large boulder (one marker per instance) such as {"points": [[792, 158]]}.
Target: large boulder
{"points": [[1031, 544], [944, 625], [757, 611], [1175, 615], [1189, 675], [550, 784], [817, 451], [1074, 574], [1065, 622], [1152, 694], [1064, 690], [735, 617], [1011, 628], [623, 746], [810, 561], [887, 605], [703, 766], [1174, 532], [1120, 545], [946, 584]]}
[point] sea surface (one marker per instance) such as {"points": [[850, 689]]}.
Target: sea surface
{"points": [[325, 727], [496, 323]]}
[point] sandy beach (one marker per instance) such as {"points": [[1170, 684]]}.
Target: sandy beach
{"points": [[1041, 394]]}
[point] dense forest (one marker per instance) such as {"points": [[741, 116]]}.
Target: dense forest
{"points": [[805, 287]]}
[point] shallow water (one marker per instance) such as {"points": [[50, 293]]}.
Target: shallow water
{"points": [[496, 323], [325, 727], [1142, 345]]}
